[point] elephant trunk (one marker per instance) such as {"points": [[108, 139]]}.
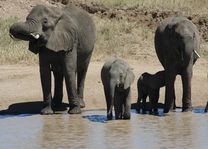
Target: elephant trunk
{"points": [[23, 31]]}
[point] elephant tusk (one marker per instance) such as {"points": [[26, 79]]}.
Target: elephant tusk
{"points": [[197, 53], [37, 36]]}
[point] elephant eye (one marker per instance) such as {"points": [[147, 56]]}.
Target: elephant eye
{"points": [[45, 21]]}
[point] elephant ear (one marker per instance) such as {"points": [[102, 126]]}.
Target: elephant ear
{"points": [[63, 37], [129, 79]]}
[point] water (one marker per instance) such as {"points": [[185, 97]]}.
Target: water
{"points": [[90, 130]]}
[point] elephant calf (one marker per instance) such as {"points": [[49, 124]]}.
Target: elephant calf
{"points": [[149, 85], [117, 78]]}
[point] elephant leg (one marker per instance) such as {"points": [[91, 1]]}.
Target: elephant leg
{"points": [[81, 75], [118, 103], [173, 105], [127, 104], [154, 97], [186, 81], [45, 76], [138, 104], [108, 103], [58, 90], [206, 108], [144, 104], [70, 64], [170, 76]]}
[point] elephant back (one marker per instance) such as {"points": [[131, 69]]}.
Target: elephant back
{"points": [[85, 27]]}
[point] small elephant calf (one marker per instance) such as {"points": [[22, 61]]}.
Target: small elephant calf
{"points": [[117, 78], [149, 85]]}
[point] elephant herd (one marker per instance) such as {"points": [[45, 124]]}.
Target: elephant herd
{"points": [[65, 37]]}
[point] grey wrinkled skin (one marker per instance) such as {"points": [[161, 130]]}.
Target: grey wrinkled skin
{"points": [[64, 39], [149, 85], [206, 108], [177, 48], [117, 78]]}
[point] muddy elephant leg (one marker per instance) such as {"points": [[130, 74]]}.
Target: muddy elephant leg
{"points": [[58, 90], [70, 64], [170, 76], [127, 104], [186, 81], [81, 75], [45, 76]]}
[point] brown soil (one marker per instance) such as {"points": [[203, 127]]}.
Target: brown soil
{"points": [[22, 84]]}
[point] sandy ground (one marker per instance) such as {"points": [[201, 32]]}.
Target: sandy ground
{"points": [[22, 84]]}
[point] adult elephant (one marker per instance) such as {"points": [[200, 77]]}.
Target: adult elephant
{"points": [[177, 48], [64, 39]]}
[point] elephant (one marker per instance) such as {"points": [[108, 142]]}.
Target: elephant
{"points": [[177, 48], [149, 85], [64, 38], [206, 108], [117, 77]]}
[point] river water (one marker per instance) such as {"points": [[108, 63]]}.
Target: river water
{"points": [[176, 130]]}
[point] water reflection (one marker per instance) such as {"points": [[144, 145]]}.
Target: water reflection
{"points": [[92, 130]]}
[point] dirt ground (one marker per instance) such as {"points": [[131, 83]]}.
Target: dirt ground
{"points": [[22, 84]]}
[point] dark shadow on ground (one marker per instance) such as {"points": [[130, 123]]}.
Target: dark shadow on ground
{"points": [[34, 107], [199, 110], [96, 118], [134, 106]]}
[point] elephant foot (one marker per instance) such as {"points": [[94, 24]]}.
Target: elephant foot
{"points": [[155, 112], [82, 103], [138, 110], [166, 110], [187, 109], [110, 116], [47, 111], [119, 116], [126, 116], [74, 109]]}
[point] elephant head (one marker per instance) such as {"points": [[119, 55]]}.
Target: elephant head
{"points": [[124, 78], [47, 27]]}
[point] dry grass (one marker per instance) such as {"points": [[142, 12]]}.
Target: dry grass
{"points": [[122, 38]]}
